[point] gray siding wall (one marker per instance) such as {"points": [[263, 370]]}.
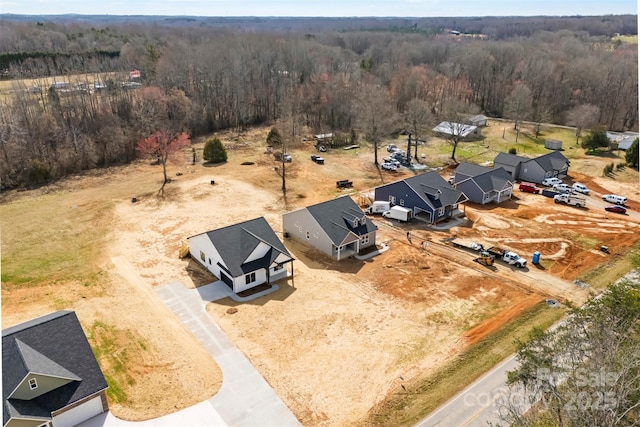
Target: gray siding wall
{"points": [[532, 172], [303, 227], [471, 190]]}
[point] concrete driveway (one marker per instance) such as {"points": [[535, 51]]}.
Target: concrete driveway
{"points": [[245, 398]]}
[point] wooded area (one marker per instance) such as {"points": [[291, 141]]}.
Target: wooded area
{"points": [[374, 76]]}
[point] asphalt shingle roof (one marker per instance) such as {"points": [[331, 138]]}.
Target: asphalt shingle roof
{"points": [[470, 169], [55, 345], [336, 217], [236, 242], [493, 179], [424, 185], [553, 161], [510, 159]]}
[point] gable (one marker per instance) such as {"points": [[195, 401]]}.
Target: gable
{"points": [[339, 218], [54, 351], [246, 246]]}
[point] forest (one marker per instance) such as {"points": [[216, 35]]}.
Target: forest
{"points": [[370, 77]]}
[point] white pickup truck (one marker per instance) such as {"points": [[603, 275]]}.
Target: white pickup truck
{"points": [[570, 199]]}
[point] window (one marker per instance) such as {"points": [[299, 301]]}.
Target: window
{"points": [[392, 200], [401, 202], [365, 239], [209, 261], [440, 211], [250, 278], [202, 256], [33, 384], [308, 236], [278, 267]]}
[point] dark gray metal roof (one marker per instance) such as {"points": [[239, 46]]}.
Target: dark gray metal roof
{"points": [[425, 183], [54, 345], [236, 242], [337, 218]]}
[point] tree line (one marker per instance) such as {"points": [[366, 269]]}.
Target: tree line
{"points": [[206, 78]]}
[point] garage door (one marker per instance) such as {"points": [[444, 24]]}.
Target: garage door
{"points": [[226, 279], [79, 414]]}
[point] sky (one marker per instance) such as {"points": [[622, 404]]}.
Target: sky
{"points": [[328, 8]]}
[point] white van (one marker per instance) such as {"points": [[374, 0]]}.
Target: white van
{"points": [[580, 188], [614, 198], [550, 182]]}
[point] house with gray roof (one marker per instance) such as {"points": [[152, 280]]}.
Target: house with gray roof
{"points": [[483, 185], [338, 227], [463, 130], [478, 120], [243, 255], [428, 195], [50, 376], [552, 164]]}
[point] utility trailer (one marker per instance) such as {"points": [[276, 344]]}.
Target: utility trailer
{"points": [[467, 244]]}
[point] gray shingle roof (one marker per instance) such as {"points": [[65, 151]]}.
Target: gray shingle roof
{"points": [[236, 242], [56, 345], [425, 183], [510, 159], [336, 217], [470, 169], [493, 179], [553, 161]]}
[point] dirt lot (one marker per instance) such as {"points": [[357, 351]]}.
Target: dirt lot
{"points": [[339, 337]]}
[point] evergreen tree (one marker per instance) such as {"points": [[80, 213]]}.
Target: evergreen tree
{"points": [[631, 156], [596, 139], [214, 151]]}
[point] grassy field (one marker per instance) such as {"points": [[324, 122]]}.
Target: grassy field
{"points": [[626, 39]]}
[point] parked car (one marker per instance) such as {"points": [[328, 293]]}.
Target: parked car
{"points": [[616, 209], [322, 148], [528, 187], [392, 160], [550, 182], [614, 198], [318, 159], [548, 192], [391, 148], [389, 166], [562, 188], [580, 188], [452, 179], [399, 155]]}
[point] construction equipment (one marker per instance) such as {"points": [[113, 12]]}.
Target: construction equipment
{"points": [[485, 259]]}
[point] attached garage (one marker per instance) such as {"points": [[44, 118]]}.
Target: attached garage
{"points": [[226, 279], [79, 414]]}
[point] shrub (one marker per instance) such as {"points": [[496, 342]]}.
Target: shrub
{"points": [[214, 151], [631, 156], [512, 150]]}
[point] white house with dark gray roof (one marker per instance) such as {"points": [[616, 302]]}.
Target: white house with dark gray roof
{"points": [[483, 185], [552, 164], [243, 255], [50, 376], [337, 227], [428, 195]]}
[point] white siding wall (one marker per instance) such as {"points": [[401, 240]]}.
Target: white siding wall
{"points": [[299, 223], [203, 243], [240, 284], [79, 414]]}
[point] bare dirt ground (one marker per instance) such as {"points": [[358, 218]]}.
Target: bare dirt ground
{"points": [[338, 337]]}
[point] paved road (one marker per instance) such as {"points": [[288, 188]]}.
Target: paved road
{"points": [[475, 405]]}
